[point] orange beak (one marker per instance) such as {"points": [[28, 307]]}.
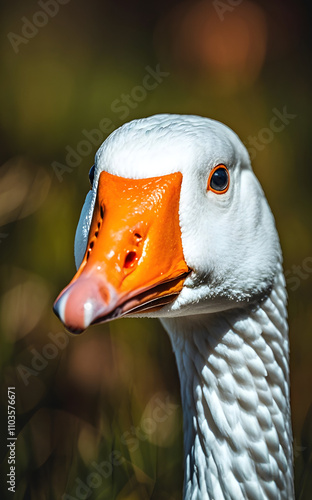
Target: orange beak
{"points": [[134, 260]]}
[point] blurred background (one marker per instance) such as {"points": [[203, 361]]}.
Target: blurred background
{"points": [[71, 73]]}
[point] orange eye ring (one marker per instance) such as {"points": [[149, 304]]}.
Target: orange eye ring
{"points": [[219, 184]]}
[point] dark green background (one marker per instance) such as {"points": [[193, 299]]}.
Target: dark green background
{"points": [[96, 395]]}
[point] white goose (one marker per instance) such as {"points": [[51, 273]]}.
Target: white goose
{"points": [[176, 226]]}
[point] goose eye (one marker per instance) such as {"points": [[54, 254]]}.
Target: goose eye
{"points": [[219, 180], [91, 175]]}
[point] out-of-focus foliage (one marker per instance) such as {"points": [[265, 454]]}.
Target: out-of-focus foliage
{"points": [[110, 398]]}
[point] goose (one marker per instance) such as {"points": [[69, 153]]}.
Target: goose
{"points": [[176, 226]]}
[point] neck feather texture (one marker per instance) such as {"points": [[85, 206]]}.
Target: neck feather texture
{"points": [[233, 368]]}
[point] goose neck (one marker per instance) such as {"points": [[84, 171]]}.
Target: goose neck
{"points": [[233, 369]]}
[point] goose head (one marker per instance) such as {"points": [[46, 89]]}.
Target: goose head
{"points": [[175, 224]]}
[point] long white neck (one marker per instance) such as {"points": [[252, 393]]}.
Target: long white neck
{"points": [[233, 368]]}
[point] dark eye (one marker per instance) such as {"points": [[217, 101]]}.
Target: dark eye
{"points": [[219, 179], [91, 175]]}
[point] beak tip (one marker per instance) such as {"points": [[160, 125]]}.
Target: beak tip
{"points": [[59, 309], [55, 310], [79, 305], [74, 331]]}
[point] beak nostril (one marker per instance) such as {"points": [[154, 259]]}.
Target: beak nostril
{"points": [[138, 236], [102, 212], [89, 249], [130, 259]]}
